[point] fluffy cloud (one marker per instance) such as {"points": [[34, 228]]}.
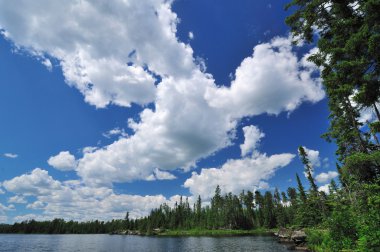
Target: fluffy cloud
{"points": [[10, 155], [115, 132], [252, 136], [17, 199], [272, 80], [72, 199], [237, 174], [160, 175], [94, 41], [163, 175], [6, 208], [324, 188], [63, 161], [180, 130], [194, 118], [3, 209], [325, 177], [37, 182], [313, 156], [191, 117]]}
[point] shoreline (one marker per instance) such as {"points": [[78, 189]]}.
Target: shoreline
{"points": [[214, 232]]}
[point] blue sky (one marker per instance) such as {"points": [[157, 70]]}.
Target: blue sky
{"points": [[108, 108]]}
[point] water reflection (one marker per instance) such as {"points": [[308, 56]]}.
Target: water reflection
{"points": [[107, 243]]}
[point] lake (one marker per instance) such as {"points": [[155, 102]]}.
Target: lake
{"points": [[104, 242]]}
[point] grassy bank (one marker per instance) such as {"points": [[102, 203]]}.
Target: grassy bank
{"points": [[214, 232]]}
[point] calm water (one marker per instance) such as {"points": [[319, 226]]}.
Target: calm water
{"points": [[107, 243]]}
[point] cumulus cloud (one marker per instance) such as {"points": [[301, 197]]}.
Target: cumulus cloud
{"points": [[37, 182], [63, 161], [180, 130], [313, 156], [27, 217], [324, 188], [94, 41], [36, 205], [10, 155], [272, 80], [72, 199], [115, 132], [191, 117], [3, 210], [236, 175], [326, 176], [6, 208], [194, 118], [163, 175], [252, 136], [17, 199]]}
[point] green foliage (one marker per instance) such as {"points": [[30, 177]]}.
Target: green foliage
{"points": [[349, 54], [368, 225], [364, 167], [319, 240]]}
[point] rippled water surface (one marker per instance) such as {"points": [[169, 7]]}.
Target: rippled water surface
{"points": [[12, 242]]}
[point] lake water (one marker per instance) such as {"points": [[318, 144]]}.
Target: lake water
{"points": [[40, 243]]}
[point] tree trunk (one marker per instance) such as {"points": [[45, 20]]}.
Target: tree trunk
{"points": [[354, 122], [377, 112]]}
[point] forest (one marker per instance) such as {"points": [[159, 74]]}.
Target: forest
{"points": [[347, 36]]}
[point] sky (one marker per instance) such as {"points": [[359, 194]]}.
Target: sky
{"points": [[115, 106]]}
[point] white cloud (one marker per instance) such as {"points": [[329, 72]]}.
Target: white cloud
{"points": [[17, 199], [180, 130], [366, 114], [324, 177], [324, 188], [89, 149], [63, 161], [27, 217], [115, 132], [236, 175], [36, 205], [10, 155], [72, 199], [313, 156], [3, 218], [272, 80], [47, 63], [192, 117], [3, 209], [252, 136], [6, 208], [163, 175], [37, 182], [191, 35], [94, 52]]}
